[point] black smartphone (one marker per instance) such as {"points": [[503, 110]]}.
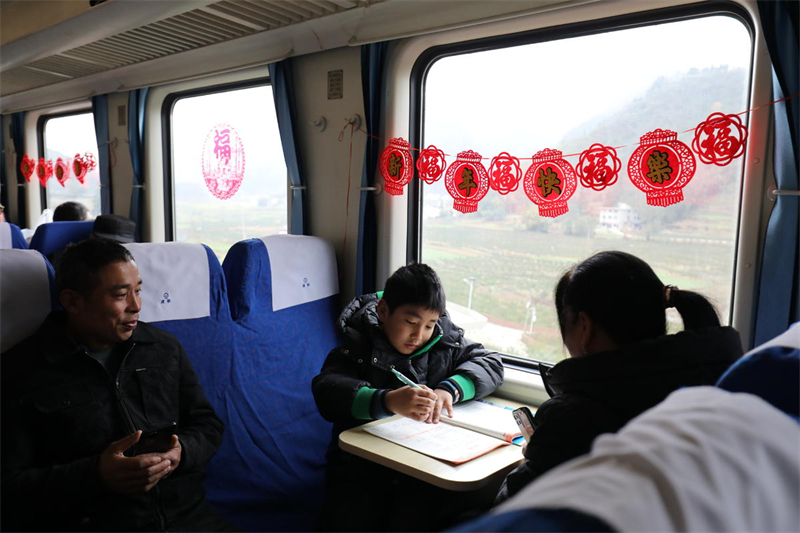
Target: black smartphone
{"points": [[154, 440], [524, 419]]}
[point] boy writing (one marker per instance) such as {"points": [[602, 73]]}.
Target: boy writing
{"points": [[406, 329]]}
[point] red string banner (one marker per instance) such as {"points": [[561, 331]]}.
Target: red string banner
{"points": [[61, 171], [431, 164], [467, 181], [27, 167], [396, 166], [44, 171], [598, 167], [549, 182], [82, 164], [505, 173], [720, 139], [661, 166]]}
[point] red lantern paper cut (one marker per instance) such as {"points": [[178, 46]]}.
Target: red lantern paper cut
{"points": [[720, 139], [505, 173], [396, 166], [661, 166], [598, 167], [431, 164], [44, 171], [82, 165], [467, 181], [61, 170], [27, 166], [549, 182], [223, 161]]}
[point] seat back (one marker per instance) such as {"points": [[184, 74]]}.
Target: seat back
{"points": [[283, 293], [26, 289], [53, 237], [11, 237]]}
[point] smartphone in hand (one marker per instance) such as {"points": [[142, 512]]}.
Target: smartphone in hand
{"points": [[524, 419], [153, 441]]}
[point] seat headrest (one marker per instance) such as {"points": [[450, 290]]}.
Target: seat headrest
{"points": [[25, 278], [55, 236], [175, 280], [5, 235], [303, 269]]}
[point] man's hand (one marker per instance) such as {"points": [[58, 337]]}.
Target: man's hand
{"points": [[410, 402], [129, 475], [444, 400], [173, 454]]}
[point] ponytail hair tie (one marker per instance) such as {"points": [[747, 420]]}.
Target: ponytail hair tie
{"points": [[669, 290]]}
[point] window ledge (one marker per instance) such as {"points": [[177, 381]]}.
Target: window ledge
{"points": [[523, 386]]}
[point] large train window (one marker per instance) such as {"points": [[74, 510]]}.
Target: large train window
{"points": [[64, 137], [501, 263], [229, 177]]}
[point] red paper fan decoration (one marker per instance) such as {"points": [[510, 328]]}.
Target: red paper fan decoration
{"points": [[396, 166], [505, 173], [44, 171], [549, 182], [598, 167], [661, 166], [82, 164], [720, 139], [61, 170], [467, 181], [27, 167], [431, 164]]}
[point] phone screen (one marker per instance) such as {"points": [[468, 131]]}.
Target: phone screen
{"points": [[524, 419]]}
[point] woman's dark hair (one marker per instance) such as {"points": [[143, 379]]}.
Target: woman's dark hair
{"points": [[623, 295], [415, 284], [79, 266], [70, 211]]}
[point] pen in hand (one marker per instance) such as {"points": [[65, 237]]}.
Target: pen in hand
{"points": [[405, 380]]}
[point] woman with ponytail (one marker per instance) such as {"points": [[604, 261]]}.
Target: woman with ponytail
{"points": [[612, 315]]}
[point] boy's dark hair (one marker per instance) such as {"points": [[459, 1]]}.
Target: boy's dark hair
{"points": [[70, 211], [623, 295], [81, 262], [415, 284]]}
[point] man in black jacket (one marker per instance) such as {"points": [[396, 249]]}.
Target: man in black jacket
{"points": [[78, 395]]}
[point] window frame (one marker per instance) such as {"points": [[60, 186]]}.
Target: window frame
{"points": [[430, 56], [166, 139], [41, 124]]}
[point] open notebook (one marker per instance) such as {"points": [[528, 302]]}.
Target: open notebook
{"points": [[476, 428]]}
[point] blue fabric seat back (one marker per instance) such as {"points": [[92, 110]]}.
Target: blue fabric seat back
{"points": [[53, 237], [11, 236], [279, 435]]}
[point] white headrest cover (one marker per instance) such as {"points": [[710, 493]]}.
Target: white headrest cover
{"points": [[5, 236], [175, 280], [303, 269], [24, 295]]}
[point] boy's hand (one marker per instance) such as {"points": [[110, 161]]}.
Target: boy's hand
{"points": [[443, 400], [416, 404]]}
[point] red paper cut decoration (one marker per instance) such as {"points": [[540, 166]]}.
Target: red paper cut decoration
{"points": [[720, 139], [223, 161], [661, 166], [61, 171], [431, 164], [44, 171], [550, 182], [467, 181], [598, 167], [83, 164], [505, 173], [396, 166], [27, 166]]}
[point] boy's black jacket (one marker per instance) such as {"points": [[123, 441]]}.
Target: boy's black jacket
{"points": [[365, 359]]}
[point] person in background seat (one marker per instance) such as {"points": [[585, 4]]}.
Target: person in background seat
{"points": [[612, 315], [71, 211], [76, 398]]}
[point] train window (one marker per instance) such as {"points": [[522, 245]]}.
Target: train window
{"points": [[229, 177], [64, 137], [500, 264]]}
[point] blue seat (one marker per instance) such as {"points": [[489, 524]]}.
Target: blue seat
{"points": [[53, 237], [11, 236], [283, 296], [27, 287]]}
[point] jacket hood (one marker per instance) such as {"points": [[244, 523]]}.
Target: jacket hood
{"points": [[651, 367]]}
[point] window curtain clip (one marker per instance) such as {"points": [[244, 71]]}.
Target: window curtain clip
{"points": [[377, 189], [297, 187]]}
